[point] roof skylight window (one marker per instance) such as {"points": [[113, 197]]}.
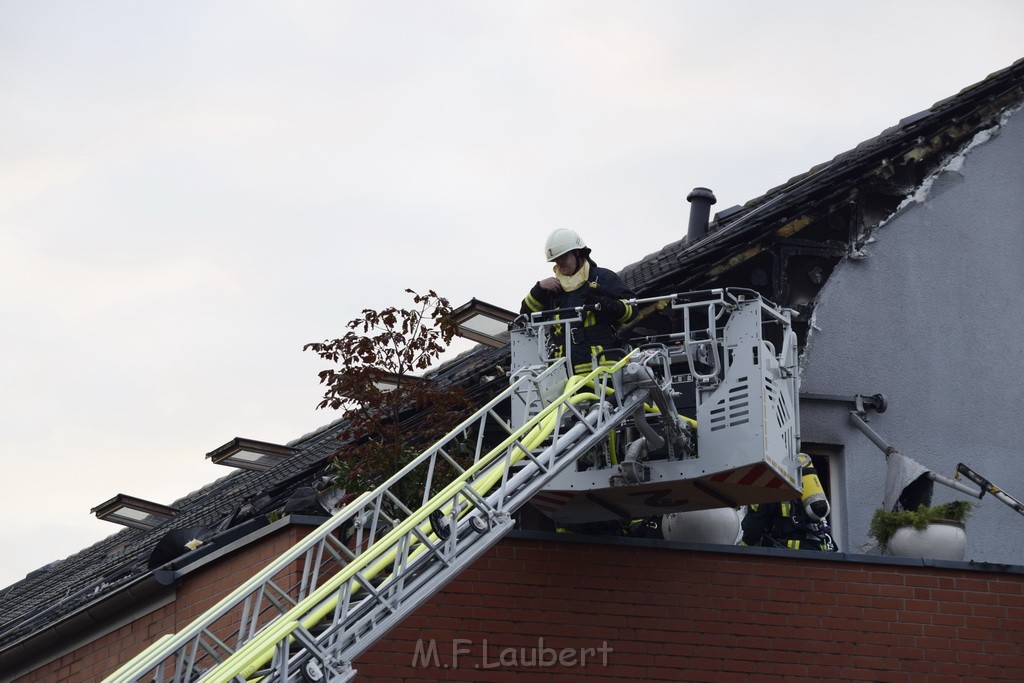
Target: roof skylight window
{"points": [[483, 322], [248, 454], [133, 512]]}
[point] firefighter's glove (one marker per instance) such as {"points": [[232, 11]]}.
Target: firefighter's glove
{"points": [[550, 284], [606, 309]]}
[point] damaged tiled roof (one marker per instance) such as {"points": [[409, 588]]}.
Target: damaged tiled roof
{"points": [[63, 587], [826, 210], [891, 164]]}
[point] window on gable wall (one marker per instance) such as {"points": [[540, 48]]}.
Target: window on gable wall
{"points": [[829, 462]]}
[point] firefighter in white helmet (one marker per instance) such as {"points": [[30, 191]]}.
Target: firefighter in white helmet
{"points": [[578, 281]]}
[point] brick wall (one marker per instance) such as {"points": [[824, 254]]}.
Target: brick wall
{"points": [[673, 614], [561, 608]]}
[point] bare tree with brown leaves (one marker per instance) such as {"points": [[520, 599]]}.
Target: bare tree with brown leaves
{"points": [[384, 428]]}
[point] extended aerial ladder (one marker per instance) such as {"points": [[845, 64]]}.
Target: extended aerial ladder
{"points": [[309, 614]]}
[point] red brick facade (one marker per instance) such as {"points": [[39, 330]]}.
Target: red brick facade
{"points": [[557, 609], [670, 614]]}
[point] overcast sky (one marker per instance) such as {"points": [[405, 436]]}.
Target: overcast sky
{"points": [[191, 191]]}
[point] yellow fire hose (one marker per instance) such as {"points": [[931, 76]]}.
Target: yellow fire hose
{"points": [[254, 654]]}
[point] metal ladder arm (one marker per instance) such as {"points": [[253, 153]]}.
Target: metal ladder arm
{"points": [[366, 505], [467, 491], [395, 549]]}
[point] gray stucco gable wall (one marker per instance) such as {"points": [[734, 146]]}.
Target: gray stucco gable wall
{"points": [[933, 317]]}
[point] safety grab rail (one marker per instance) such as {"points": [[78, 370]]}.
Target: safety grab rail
{"points": [[695, 339]]}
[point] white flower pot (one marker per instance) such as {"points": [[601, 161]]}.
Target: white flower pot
{"points": [[942, 540]]}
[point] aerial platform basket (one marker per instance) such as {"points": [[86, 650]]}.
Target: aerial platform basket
{"points": [[726, 359]]}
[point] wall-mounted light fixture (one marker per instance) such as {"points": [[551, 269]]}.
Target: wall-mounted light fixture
{"points": [[133, 512], [248, 454], [483, 322]]}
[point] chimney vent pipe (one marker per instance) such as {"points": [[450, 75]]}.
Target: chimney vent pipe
{"points": [[701, 199]]}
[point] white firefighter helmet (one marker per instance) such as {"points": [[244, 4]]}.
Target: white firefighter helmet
{"points": [[562, 241]]}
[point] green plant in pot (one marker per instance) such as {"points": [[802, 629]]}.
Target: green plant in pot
{"points": [[886, 523]]}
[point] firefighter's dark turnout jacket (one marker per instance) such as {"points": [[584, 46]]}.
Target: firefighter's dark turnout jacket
{"points": [[597, 334], [781, 525]]}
